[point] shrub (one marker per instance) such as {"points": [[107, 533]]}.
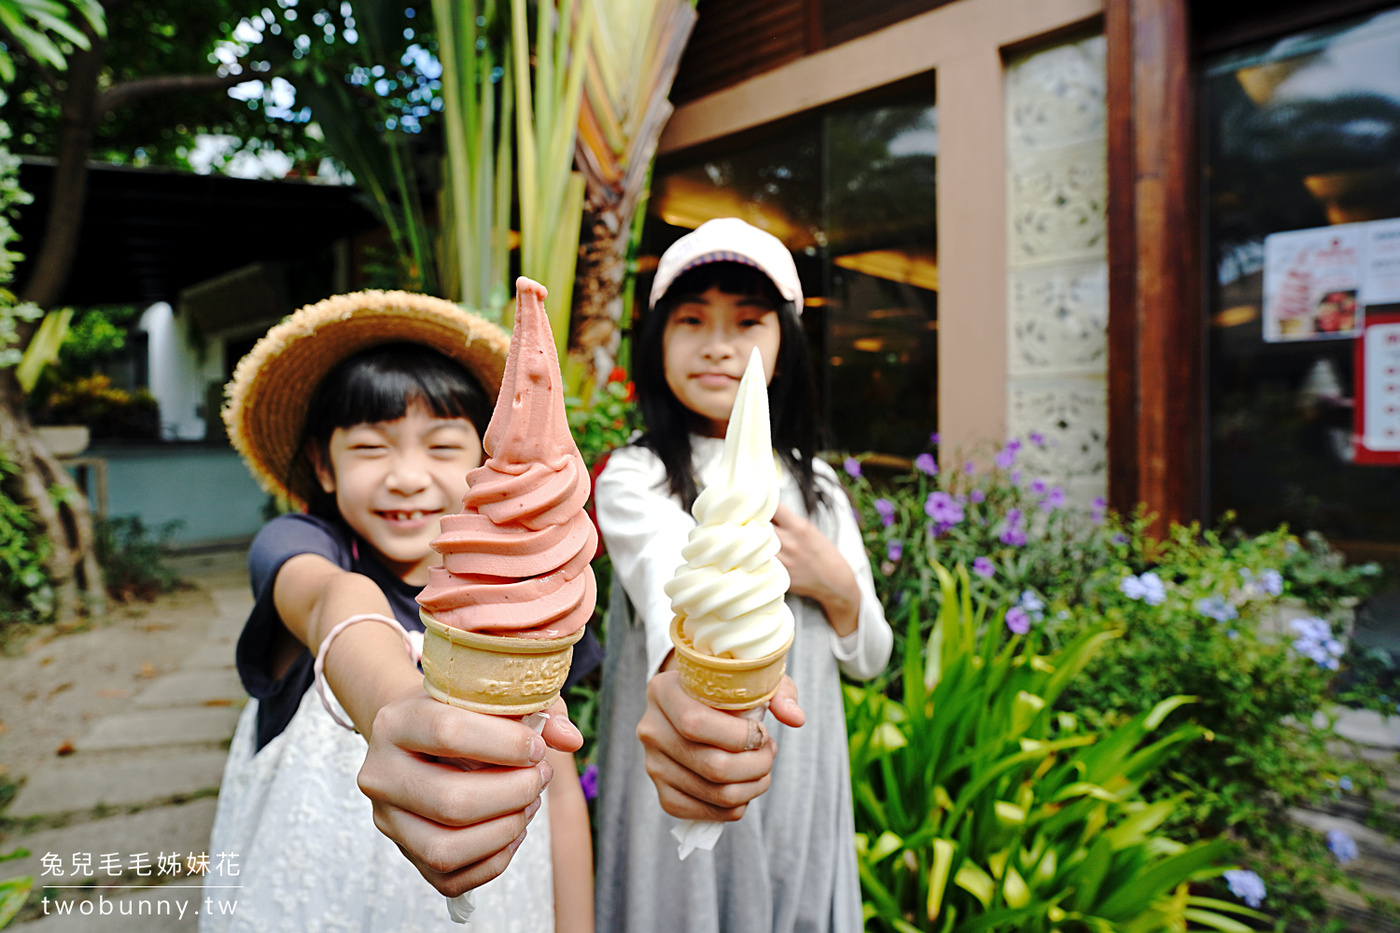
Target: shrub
{"points": [[980, 807], [25, 591], [1197, 613], [133, 562], [107, 410]]}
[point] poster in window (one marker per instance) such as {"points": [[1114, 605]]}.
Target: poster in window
{"points": [[1312, 280], [1376, 439], [1380, 279]]}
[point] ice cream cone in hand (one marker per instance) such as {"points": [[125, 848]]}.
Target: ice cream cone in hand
{"points": [[515, 590], [732, 629]]}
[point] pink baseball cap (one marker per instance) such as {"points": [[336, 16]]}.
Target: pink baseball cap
{"points": [[729, 239]]}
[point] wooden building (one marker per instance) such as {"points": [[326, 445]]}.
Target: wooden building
{"points": [[1051, 216]]}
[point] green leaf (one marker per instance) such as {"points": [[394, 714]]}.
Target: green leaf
{"points": [[13, 893], [1216, 921], [1151, 884]]}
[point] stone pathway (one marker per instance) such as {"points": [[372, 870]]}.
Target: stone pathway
{"points": [[135, 799], [1375, 907]]}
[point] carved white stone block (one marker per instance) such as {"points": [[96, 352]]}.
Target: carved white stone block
{"points": [[1058, 203], [1072, 417], [1059, 318], [1056, 97]]}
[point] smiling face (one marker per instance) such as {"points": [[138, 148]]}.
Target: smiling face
{"points": [[706, 345], [394, 480]]}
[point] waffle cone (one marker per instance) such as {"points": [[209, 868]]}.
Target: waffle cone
{"points": [[727, 683], [500, 675]]}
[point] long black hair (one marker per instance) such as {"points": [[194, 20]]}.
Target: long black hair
{"points": [[792, 398], [379, 384]]}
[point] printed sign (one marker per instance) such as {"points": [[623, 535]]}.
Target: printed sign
{"points": [[1376, 437], [1311, 283]]}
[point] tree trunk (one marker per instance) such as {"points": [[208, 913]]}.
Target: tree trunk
{"points": [[602, 268], [43, 486], [79, 115]]}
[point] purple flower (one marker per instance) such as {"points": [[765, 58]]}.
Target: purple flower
{"points": [[1037, 439], [1018, 620], [1342, 845], [1005, 457], [1148, 588], [1013, 535], [943, 508], [1014, 444], [589, 781], [969, 468], [933, 438], [886, 509], [1215, 607], [926, 464], [1269, 583], [977, 496], [895, 549], [1096, 513], [1246, 885], [984, 568], [1015, 477], [852, 466], [1316, 642], [1054, 500], [1038, 487]]}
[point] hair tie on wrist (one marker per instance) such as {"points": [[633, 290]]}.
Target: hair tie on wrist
{"points": [[318, 669]]}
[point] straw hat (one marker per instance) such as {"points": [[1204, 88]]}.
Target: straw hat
{"points": [[266, 401]]}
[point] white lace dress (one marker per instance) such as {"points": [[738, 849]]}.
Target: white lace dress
{"points": [[309, 857]]}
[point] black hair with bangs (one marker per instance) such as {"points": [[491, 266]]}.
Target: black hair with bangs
{"points": [[792, 394], [379, 384]]}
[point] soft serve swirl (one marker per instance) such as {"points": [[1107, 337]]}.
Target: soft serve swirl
{"points": [[730, 589], [516, 559]]}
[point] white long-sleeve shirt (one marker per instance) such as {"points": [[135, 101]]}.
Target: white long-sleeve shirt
{"points": [[644, 529]]}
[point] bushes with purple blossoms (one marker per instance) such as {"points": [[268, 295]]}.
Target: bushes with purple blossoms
{"points": [[1194, 614]]}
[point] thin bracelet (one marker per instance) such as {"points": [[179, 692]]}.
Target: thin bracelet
{"points": [[318, 668]]}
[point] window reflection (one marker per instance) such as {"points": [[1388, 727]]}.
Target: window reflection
{"points": [[1301, 133], [850, 190]]}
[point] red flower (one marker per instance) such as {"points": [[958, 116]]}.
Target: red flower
{"points": [[618, 374]]}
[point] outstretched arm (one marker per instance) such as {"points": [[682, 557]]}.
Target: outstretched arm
{"points": [[459, 828]]}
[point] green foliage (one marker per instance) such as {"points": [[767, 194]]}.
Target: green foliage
{"points": [[13, 894], [167, 37], [133, 561], [44, 28], [608, 422], [12, 315], [108, 410], [1320, 576], [979, 807], [25, 591], [1201, 613]]}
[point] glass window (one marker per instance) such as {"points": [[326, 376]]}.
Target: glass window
{"points": [[1300, 134], [850, 190]]}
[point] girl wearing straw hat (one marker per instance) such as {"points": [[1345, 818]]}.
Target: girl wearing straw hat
{"points": [[364, 413]]}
